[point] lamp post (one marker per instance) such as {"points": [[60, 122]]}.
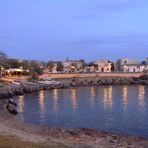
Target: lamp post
{"points": [[2, 71]]}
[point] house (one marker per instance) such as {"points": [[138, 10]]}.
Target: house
{"points": [[89, 69], [122, 63], [72, 66], [103, 66], [135, 68], [131, 68]]}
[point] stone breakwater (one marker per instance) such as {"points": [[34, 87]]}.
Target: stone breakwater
{"points": [[143, 80], [10, 90]]}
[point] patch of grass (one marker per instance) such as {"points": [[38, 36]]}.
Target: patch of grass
{"points": [[14, 142]]}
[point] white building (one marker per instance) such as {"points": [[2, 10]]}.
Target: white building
{"points": [[72, 66], [135, 68], [121, 63]]}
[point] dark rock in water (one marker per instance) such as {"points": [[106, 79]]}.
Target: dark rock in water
{"points": [[11, 107], [14, 112]]}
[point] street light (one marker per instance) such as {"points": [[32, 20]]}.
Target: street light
{"points": [[2, 71]]}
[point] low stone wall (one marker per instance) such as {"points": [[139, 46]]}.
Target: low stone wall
{"points": [[88, 75]]}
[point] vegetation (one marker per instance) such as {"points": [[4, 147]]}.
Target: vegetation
{"points": [[50, 65], [3, 59], [112, 66], [60, 66]]}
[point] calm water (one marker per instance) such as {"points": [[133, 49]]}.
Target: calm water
{"points": [[120, 109]]}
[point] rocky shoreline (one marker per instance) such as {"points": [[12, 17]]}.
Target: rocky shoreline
{"points": [[10, 90]]}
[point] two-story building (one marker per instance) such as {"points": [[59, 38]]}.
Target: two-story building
{"points": [[103, 66], [71, 66], [121, 64]]}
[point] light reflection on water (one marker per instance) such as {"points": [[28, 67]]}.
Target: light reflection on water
{"points": [[121, 109], [125, 97], [20, 104], [141, 96], [74, 99], [55, 99], [41, 99], [108, 97]]}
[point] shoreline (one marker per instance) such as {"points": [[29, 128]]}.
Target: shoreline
{"points": [[68, 137], [10, 90]]}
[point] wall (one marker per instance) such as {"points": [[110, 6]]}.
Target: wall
{"points": [[95, 75]]}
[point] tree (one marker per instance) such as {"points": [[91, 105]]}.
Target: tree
{"points": [[35, 67], [60, 66], [3, 59], [13, 63], [112, 65], [50, 65], [143, 62], [91, 64], [83, 63]]}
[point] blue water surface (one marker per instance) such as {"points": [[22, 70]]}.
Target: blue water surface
{"points": [[118, 109]]}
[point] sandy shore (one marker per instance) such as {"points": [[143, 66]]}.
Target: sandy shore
{"points": [[12, 126]]}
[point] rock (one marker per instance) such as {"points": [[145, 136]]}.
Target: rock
{"points": [[11, 108]]}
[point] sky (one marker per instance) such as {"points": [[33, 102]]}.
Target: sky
{"points": [[77, 29]]}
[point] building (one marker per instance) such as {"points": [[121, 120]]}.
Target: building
{"points": [[122, 63], [89, 69], [73, 66], [103, 66], [15, 71], [131, 68]]}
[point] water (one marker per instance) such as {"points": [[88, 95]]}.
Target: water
{"points": [[119, 109]]}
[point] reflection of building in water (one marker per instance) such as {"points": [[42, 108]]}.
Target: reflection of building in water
{"points": [[92, 97], [125, 96], [55, 99], [74, 99], [141, 95], [21, 104], [108, 96], [42, 103]]}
